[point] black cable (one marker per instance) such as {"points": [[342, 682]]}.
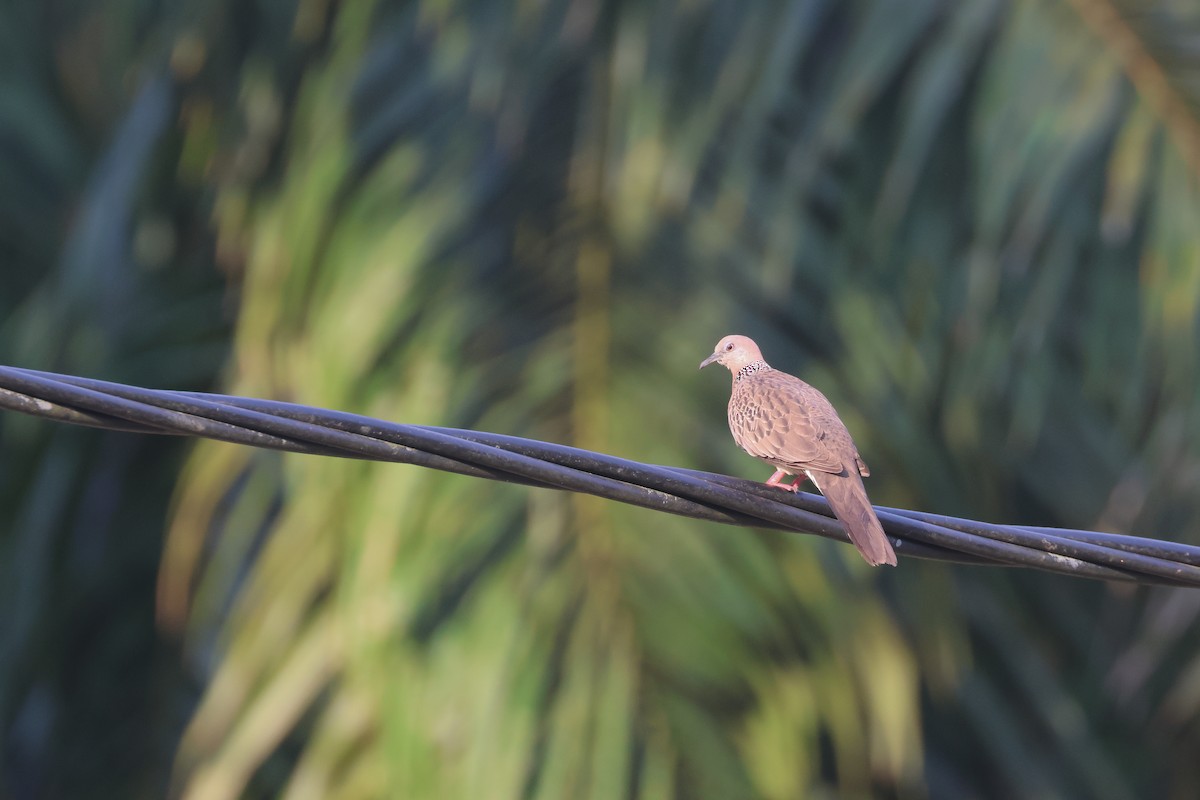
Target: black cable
{"points": [[701, 495]]}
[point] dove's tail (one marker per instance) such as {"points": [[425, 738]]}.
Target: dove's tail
{"points": [[848, 498]]}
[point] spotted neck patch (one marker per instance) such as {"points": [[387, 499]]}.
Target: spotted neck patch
{"points": [[751, 368]]}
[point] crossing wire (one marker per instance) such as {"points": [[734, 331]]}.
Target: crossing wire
{"points": [[692, 493]]}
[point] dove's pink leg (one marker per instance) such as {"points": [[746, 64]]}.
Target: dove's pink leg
{"points": [[774, 481], [794, 487]]}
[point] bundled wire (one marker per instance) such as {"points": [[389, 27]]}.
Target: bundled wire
{"points": [[691, 493]]}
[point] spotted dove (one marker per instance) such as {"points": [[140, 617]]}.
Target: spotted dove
{"points": [[791, 426]]}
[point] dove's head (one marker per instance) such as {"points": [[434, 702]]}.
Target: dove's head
{"points": [[734, 352]]}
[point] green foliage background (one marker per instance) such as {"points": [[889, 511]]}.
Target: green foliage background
{"points": [[972, 224]]}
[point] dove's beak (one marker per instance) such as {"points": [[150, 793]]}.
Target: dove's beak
{"points": [[709, 360]]}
